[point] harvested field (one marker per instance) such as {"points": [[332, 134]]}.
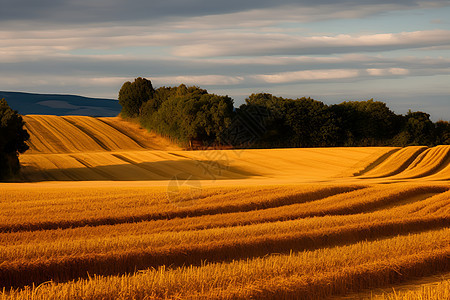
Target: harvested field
{"points": [[107, 211]]}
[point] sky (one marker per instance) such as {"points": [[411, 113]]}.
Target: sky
{"points": [[397, 52]]}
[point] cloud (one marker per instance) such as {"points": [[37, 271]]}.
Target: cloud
{"points": [[387, 72], [92, 47], [129, 66], [107, 82], [252, 44], [31, 44], [248, 11], [205, 80], [308, 75]]}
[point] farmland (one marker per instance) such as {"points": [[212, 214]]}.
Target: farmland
{"points": [[106, 210]]}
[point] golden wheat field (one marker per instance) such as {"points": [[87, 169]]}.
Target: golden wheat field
{"points": [[106, 210]]}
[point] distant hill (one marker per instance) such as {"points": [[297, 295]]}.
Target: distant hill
{"points": [[60, 105]]}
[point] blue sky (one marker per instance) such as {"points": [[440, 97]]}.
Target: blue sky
{"points": [[396, 52]]}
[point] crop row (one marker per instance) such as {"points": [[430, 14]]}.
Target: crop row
{"points": [[303, 275]]}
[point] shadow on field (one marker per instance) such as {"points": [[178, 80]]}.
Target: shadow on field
{"points": [[83, 266], [132, 171]]}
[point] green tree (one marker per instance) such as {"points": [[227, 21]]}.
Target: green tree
{"points": [[367, 123], [213, 116], [303, 122], [442, 133], [12, 140], [417, 129], [264, 120], [188, 113], [311, 123], [133, 95]]}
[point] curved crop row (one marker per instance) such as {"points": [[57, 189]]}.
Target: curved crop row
{"points": [[428, 163], [304, 275], [151, 205], [413, 162], [69, 134], [269, 220], [395, 163], [114, 149], [119, 251]]}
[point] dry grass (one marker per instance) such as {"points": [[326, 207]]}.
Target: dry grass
{"points": [[86, 148], [264, 224], [116, 165], [428, 163], [53, 134], [61, 207], [303, 275], [226, 224], [395, 163], [438, 291]]}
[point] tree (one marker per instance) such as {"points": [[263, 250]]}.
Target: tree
{"points": [[311, 123], [264, 120], [189, 113], [12, 140], [442, 133], [212, 116], [419, 129], [133, 95], [303, 122], [367, 123]]}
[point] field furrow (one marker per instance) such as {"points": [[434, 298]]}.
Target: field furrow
{"points": [[60, 257], [107, 210], [106, 136], [395, 163], [42, 140], [435, 206], [302, 275], [69, 138], [53, 134], [109, 260], [153, 206], [140, 136], [433, 161]]}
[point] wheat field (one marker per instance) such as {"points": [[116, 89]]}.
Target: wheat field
{"points": [[106, 210]]}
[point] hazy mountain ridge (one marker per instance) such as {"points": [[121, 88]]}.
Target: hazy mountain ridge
{"points": [[57, 104]]}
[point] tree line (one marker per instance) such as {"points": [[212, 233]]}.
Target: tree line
{"points": [[192, 116], [195, 118]]}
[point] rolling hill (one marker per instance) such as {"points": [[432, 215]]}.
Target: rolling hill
{"points": [[86, 148], [106, 210], [60, 105]]}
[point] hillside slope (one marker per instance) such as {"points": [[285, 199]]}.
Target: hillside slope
{"points": [[413, 163], [85, 148], [69, 134], [120, 214]]}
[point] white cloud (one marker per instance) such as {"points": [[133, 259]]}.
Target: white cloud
{"points": [[206, 43], [241, 47], [388, 72], [398, 71], [287, 44], [198, 80], [308, 75]]}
